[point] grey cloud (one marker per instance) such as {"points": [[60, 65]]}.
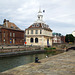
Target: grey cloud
{"points": [[24, 12]]}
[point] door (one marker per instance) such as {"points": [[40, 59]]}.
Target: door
{"points": [[48, 42]]}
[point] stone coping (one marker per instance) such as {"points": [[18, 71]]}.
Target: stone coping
{"points": [[61, 64]]}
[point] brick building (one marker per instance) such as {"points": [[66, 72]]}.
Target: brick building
{"points": [[10, 34], [63, 39]]}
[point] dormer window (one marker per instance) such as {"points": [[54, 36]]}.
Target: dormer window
{"points": [[33, 25], [12, 27], [47, 26], [44, 25], [37, 25], [16, 27]]}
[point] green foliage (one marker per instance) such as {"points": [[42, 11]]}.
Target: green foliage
{"points": [[70, 42], [69, 38], [49, 50], [53, 48], [45, 48]]}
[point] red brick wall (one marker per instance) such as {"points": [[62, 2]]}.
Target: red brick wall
{"points": [[19, 36]]}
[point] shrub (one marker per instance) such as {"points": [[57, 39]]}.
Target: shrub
{"points": [[49, 48], [45, 48]]}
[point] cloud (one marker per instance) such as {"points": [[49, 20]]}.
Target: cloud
{"points": [[58, 13]]}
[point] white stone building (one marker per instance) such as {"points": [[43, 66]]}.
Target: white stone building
{"points": [[38, 34], [73, 33]]}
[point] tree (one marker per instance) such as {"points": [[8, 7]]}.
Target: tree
{"points": [[69, 38]]}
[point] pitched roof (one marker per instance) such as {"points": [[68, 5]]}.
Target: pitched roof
{"points": [[12, 29], [11, 25], [39, 25], [1, 25]]}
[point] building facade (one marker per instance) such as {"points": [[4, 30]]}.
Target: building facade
{"points": [[10, 34], [58, 38], [73, 33], [39, 33]]}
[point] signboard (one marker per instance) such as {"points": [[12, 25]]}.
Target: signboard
{"points": [[25, 42], [10, 40]]}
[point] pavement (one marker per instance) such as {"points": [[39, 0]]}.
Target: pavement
{"points": [[61, 64], [7, 47]]}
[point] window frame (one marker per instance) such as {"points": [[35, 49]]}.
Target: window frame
{"points": [[4, 34], [33, 25], [10, 34], [36, 40], [36, 31], [37, 25], [31, 31], [27, 31], [31, 40], [13, 34], [40, 31]]}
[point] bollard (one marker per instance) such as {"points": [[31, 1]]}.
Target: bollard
{"points": [[2, 47], [36, 60]]}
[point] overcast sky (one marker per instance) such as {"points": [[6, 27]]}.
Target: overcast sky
{"points": [[59, 14]]}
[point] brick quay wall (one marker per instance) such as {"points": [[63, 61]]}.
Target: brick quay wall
{"points": [[5, 49]]}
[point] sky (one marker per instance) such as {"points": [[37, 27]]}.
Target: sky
{"points": [[59, 14]]}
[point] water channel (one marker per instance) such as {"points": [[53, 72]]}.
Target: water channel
{"points": [[11, 62]]}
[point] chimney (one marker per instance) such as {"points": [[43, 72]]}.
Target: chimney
{"points": [[4, 21]]}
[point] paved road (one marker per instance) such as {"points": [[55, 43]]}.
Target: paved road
{"points": [[61, 64]]}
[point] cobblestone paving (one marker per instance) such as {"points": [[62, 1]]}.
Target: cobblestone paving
{"points": [[61, 64]]}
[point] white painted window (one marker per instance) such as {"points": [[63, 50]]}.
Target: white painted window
{"points": [[33, 25], [4, 34], [27, 31], [36, 31], [37, 25], [31, 31], [13, 41], [10, 34], [40, 31], [13, 34]]}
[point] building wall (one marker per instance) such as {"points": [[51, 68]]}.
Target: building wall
{"points": [[42, 38], [0, 37], [56, 39], [73, 33], [16, 37], [33, 32], [33, 43], [45, 41], [42, 41], [44, 32], [63, 39]]}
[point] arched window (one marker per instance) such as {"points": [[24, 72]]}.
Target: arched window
{"points": [[31, 40], [36, 40]]}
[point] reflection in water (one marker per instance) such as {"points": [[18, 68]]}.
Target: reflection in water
{"points": [[11, 62]]}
